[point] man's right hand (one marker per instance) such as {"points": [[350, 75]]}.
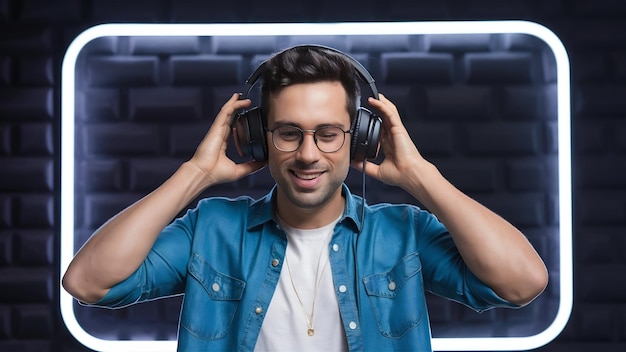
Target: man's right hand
{"points": [[210, 156]]}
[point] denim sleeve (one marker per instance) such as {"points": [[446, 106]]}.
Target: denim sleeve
{"points": [[163, 271], [445, 272]]}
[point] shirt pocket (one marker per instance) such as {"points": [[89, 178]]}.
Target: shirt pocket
{"points": [[211, 300], [397, 296]]}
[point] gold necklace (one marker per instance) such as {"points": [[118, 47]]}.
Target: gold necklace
{"points": [[309, 320]]}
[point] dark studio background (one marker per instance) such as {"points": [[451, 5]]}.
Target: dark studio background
{"points": [[34, 36]]}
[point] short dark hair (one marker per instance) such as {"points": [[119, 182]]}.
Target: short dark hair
{"points": [[310, 64]]}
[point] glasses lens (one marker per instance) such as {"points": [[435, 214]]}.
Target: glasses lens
{"points": [[289, 138], [329, 139]]}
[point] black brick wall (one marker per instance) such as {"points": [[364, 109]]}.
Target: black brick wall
{"points": [[34, 35]]}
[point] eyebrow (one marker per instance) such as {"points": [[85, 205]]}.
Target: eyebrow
{"points": [[293, 124]]}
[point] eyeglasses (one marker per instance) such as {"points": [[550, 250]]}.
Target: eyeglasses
{"points": [[328, 139]]}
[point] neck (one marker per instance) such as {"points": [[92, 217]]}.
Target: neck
{"points": [[310, 218]]}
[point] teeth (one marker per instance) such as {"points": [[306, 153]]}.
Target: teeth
{"points": [[307, 176]]}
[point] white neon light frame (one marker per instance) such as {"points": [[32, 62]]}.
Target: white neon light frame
{"points": [[379, 28]]}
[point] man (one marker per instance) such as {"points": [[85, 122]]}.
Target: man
{"points": [[308, 267]]}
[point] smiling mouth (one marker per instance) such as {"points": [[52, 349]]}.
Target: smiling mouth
{"points": [[307, 176]]}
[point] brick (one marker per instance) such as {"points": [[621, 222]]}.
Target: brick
{"points": [[165, 104], [33, 321], [471, 176], [602, 283], [101, 207], [527, 175], [595, 321], [590, 137], [601, 207], [426, 9], [143, 11], [244, 45], [95, 105], [117, 71], [185, 138], [5, 323], [432, 138], [100, 176], [35, 139], [146, 175], [26, 174], [608, 8], [35, 71], [26, 285], [499, 68], [121, 140], [601, 245], [494, 9], [6, 248], [371, 44], [26, 38], [27, 345], [35, 211], [458, 43], [206, 70], [337, 42], [591, 67], [598, 100], [522, 210], [618, 62], [469, 102], [504, 138], [619, 142], [417, 68], [160, 45], [49, 11], [521, 42], [7, 71], [601, 171], [408, 101], [26, 103], [33, 248], [200, 11], [6, 211], [527, 103], [6, 139]]}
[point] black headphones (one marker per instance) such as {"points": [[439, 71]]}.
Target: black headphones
{"points": [[249, 133]]}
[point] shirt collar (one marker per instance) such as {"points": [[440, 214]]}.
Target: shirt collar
{"points": [[262, 209]]}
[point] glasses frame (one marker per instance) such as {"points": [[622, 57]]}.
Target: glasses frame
{"points": [[302, 131]]}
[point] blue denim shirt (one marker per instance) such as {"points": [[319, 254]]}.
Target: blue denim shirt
{"points": [[226, 255]]}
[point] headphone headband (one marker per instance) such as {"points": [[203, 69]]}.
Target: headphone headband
{"points": [[363, 73]]}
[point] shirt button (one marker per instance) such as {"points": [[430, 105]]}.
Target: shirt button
{"points": [[392, 285], [275, 262], [215, 287], [352, 325], [258, 310], [342, 288], [335, 247]]}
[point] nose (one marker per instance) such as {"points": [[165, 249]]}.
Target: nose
{"points": [[308, 151]]}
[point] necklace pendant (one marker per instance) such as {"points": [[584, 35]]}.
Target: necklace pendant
{"points": [[310, 331]]}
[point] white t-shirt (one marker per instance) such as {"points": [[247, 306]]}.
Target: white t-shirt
{"points": [[285, 325]]}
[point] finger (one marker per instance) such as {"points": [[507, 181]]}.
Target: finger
{"points": [[229, 108], [386, 107]]}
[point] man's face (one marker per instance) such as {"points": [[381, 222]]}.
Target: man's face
{"points": [[308, 178]]}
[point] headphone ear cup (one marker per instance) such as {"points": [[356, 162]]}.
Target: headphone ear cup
{"points": [[365, 135], [249, 135]]}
